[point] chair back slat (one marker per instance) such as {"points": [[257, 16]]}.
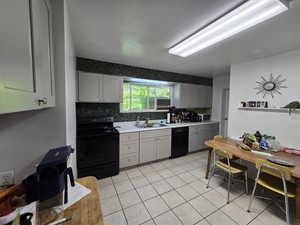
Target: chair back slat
{"points": [[274, 169], [220, 152]]}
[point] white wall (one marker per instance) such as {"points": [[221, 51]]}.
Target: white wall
{"points": [[243, 79], [219, 84], [25, 137], [70, 71]]}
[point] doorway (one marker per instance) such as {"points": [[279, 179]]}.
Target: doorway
{"points": [[224, 112]]}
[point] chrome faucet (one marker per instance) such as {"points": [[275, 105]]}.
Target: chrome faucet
{"points": [[137, 122], [147, 121]]}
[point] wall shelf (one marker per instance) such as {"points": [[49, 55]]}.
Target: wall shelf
{"points": [[270, 109]]}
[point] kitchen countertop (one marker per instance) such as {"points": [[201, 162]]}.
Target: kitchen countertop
{"points": [[128, 127]]}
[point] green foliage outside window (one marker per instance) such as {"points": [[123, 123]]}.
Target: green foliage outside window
{"points": [[142, 97]]}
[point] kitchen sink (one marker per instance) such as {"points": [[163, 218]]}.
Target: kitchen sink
{"points": [[150, 125]]}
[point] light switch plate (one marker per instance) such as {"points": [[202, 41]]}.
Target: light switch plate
{"points": [[7, 178]]}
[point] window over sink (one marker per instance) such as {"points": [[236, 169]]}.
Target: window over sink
{"points": [[143, 97]]}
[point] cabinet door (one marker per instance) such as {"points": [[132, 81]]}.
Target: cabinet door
{"points": [[17, 80], [148, 150], [112, 89], [194, 142], [88, 87], [205, 96], [204, 135], [186, 96], [42, 42], [163, 147]]}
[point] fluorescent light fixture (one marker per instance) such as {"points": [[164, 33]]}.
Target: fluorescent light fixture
{"points": [[243, 17]]}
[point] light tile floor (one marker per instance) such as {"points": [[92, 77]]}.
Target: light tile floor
{"points": [[173, 192]]}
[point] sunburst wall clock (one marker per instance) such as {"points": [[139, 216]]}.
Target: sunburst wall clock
{"points": [[270, 86]]}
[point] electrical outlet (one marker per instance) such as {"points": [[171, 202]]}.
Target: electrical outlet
{"points": [[6, 178]]}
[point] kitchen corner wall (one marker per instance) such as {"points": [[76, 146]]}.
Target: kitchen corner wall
{"points": [[243, 80], [70, 85], [219, 84], [25, 137]]}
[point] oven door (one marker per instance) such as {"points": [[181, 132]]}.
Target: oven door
{"points": [[97, 150]]}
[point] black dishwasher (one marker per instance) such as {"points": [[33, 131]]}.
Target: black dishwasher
{"points": [[180, 141]]}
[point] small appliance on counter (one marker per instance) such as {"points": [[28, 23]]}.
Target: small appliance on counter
{"points": [[97, 147], [50, 181], [204, 117], [46, 188], [194, 117], [184, 115]]}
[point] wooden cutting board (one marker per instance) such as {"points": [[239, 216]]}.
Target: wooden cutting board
{"points": [[87, 211]]}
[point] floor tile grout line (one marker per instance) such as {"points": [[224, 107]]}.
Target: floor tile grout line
{"points": [[129, 179], [121, 206], [169, 209], [175, 189], [143, 202], [185, 201]]}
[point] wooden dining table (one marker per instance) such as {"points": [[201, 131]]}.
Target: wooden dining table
{"points": [[232, 146]]}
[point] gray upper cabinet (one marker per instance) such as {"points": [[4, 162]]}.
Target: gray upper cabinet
{"points": [[88, 87], [192, 96], [112, 89], [26, 79], [99, 88], [41, 20]]}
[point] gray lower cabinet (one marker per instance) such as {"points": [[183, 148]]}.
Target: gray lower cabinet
{"points": [[148, 150], [163, 147], [148, 146], [26, 76], [129, 149], [200, 133], [154, 145]]}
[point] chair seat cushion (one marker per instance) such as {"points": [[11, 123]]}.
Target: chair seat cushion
{"points": [[275, 184], [234, 167]]}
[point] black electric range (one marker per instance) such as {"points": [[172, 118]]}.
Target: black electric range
{"points": [[97, 147]]}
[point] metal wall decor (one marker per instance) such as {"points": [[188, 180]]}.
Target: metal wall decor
{"points": [[270, 86]]}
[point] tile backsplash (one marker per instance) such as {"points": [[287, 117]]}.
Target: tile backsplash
{"points": [[85, 110]]}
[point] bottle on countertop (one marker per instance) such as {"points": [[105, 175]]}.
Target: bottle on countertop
{"points": [[266, 105], [168, 117], [258, 136]]}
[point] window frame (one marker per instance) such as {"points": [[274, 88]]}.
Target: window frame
{"points": [[155, 103]]}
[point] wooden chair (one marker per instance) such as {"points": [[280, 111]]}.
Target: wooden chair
{"points": [[227, 164], [276, 178]]}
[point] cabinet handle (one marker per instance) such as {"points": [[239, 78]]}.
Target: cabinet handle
{"points": [[42, 101]]}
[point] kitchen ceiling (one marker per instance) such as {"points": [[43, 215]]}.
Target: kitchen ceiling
{"points": [[140, 32]]}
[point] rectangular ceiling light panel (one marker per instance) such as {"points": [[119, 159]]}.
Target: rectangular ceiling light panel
{"points": [[245, 16]]}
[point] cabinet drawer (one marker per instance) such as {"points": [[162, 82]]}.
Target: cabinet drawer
{"points": [[155, 133], [214, 126], [129, 137], [127, 160], [130, 147]]}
